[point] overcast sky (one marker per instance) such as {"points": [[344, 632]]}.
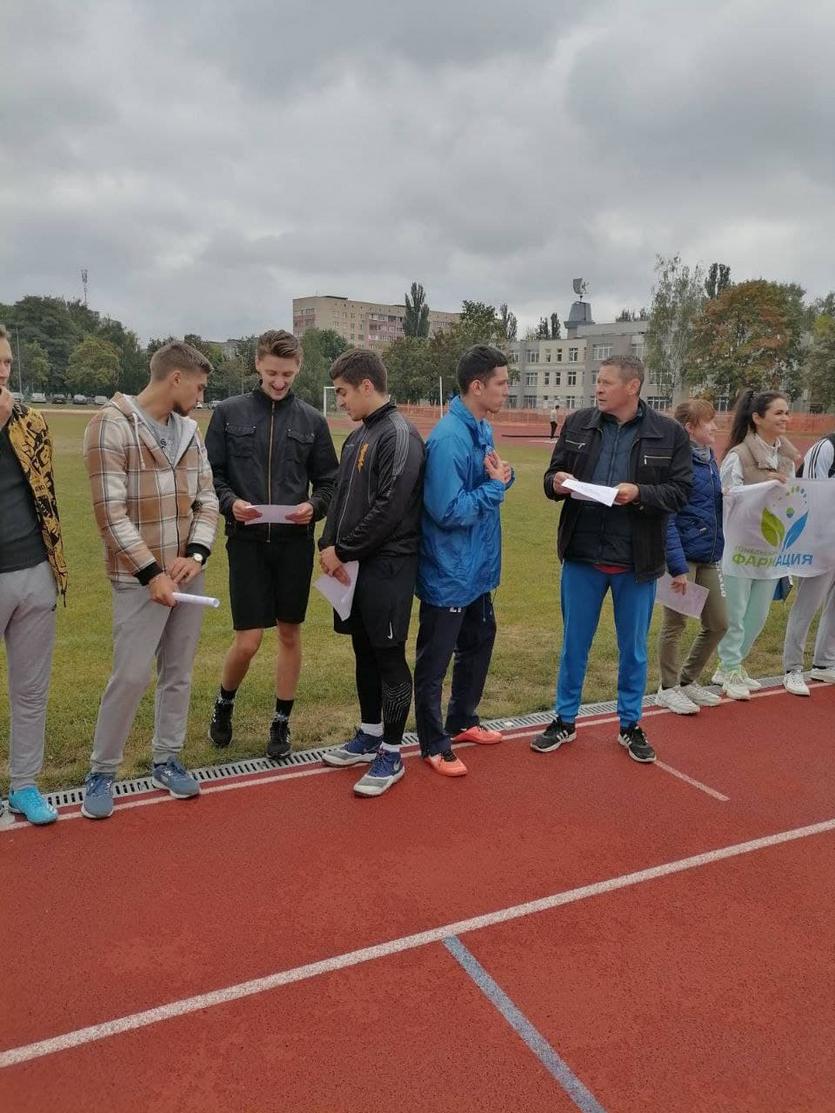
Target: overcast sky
{"points": [[209, 161]]}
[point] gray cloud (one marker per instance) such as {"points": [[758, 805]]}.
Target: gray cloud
{"points": [[210, 162]]}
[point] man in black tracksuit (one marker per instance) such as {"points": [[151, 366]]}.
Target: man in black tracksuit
{"points": [[621, 443], [269, 447], [375, 519]]}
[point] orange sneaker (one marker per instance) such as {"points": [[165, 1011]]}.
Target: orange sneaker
{"points": [[480, 735], [447, 764]]}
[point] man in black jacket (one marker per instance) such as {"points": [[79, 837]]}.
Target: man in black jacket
{"points": [[375, 519], [624, 444], [269, 447]]}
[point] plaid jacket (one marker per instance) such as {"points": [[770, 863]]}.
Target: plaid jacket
{"points": [[148, 511], [31, 444]]}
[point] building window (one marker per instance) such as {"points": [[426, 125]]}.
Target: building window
{"points": [[530, 402], [532, 355], [547, 380], [547, 355], [570, 402], [658, 403], [601, 351], [513, 357], [557, 378], [530, 378], [559, 355], [573, 354], [572, 378]]}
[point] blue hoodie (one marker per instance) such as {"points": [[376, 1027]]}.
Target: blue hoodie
{"points": [[461, 538]]}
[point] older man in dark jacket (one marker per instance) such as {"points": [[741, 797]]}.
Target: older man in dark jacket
{"points": [[622, 443]]}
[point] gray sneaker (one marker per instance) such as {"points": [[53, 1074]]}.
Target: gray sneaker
{"points": [[98, 796], [176, 779]]}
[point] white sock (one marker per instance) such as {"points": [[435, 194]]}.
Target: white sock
{"points": [[374, 729]]}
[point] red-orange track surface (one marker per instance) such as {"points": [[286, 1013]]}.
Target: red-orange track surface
{"points": [[711, 988]]}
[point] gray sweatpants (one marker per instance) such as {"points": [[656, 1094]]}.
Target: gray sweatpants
{"points": [[27, 623], [812, 593], [144, 630]]}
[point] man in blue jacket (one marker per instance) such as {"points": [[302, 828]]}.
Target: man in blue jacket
{"points": [[460, 560]]}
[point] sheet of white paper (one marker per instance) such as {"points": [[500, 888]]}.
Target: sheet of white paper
{"points": [[591, 492], [197, 600], [272, 513], [690, 603], [340, 596]]}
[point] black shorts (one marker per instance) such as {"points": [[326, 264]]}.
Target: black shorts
{"points": [[269, 582], [382, 604]]}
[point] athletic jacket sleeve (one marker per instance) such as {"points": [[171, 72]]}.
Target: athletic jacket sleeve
{"points": [[446, 498], [323, 468], [205, 506], [671, 495], [216, 451], [105, 456], [819, 460], [398, 461]]}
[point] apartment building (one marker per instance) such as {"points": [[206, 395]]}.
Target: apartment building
{"points": [[365, 324], [565, 371]]}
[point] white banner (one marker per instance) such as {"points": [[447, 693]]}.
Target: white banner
{"points": [[778, 529]]}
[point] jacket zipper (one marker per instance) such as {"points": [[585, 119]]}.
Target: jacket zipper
{"points": [[270, 471]]}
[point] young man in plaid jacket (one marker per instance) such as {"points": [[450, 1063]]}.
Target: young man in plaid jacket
{"points": [[156, 509]]}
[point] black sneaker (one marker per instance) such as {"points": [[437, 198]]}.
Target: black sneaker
{"points": [[635, 741], [553, 736], [279, 743], [220, 727]]}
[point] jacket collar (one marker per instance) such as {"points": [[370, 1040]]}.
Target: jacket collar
{"points": [[374, 417], [264, 399], [650, 423], [479, 429]]}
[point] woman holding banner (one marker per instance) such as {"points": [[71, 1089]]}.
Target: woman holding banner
{"points": [[694, 545], [757, 452]]}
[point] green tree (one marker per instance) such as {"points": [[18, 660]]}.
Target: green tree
{"points": [[93, 367], [507, 322], [718, 279], [35, 366], [416, 322], [556, 327], [543, 332], [677, 299], [819, 364], [47, 322], [743, 338], [481, 321], [320, 347], [411, 370]]}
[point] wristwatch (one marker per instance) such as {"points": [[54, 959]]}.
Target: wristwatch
{"points": [[198, 557]]}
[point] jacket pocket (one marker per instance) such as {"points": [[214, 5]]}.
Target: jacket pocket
{"points": [[653, 467], [300, 441], [240, 439]]}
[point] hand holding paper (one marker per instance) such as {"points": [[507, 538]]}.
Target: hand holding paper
{"points": [[272, 513], [196, 600], [690, 602], [339, 595], [591, 492]]}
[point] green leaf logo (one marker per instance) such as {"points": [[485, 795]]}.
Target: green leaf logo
{"points": [[772, 528]]}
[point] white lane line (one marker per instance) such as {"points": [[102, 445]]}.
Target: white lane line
{"points": [[257, 779], [691, 781], [186, 1005]]}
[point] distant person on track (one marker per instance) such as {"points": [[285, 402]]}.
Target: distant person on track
{"points": [[157, 512], [695, 543], [268, 446], [814, 593], [32, 575], [460, 561], [374, 518], [621, 443], [555, 420], [756, 453]]}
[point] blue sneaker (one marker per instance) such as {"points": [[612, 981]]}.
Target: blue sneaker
{"points": [[386, 771], [29, 802], [362, 747], [98, 796], [174, 777]]}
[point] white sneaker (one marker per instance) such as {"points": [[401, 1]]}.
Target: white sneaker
{"points": [[793, 682], [718, 677], [753, 685], [675, 700], [827, 674], [735, 686], [700, 696]]}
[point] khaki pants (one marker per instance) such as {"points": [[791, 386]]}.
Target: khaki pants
{"points": [[714, 623]]}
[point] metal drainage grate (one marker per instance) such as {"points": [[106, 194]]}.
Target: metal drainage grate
{"points": [[247, 766]]}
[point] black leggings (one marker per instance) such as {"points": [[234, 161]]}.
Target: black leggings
{"points": [[384, 686]]}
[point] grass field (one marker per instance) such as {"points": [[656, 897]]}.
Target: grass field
{"points": [[521, 678]]}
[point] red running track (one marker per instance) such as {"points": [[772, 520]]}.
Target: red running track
{"points": [[707, 989]]}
